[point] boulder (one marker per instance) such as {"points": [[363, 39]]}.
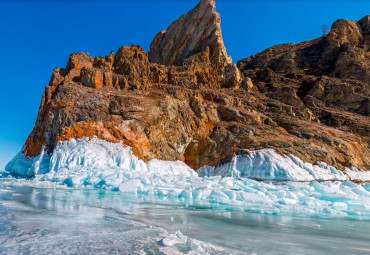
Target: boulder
{"points": [[92, 77]]}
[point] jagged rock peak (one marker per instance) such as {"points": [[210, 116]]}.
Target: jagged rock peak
{"points": [[192, 33]]}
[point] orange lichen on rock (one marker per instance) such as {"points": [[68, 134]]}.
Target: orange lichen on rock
{"points": [[196, 147], [33, 145], [107, 131], [75, 64], [88, 129], [99, 80]]}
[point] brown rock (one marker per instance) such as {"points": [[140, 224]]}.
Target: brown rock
{"points": [[57, 78], [229, 114], [232, 77], [247, 84], [92, 77], [133, 63], [191, 34], [309, 99], [75, 63], [198, 106], [105, 63], [345, 31], [108, 79]]}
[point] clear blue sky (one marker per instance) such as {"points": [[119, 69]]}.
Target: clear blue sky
{"points": [[36, 36]]}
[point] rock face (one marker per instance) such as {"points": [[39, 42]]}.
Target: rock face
{"points": [[325, 81], [186, 101], [190, 34]]}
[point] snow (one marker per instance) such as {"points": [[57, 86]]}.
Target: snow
{"points": [[307, 189]]}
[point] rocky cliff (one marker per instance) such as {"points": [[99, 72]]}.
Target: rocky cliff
{"points": [[186, 100]]}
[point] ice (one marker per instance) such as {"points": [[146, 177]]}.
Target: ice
{"points": [[129, 186], [170, 240], [358, 175], [65, 220], [190, 245], [340, 206], [20, 165], [308, 190], [269, 165]]}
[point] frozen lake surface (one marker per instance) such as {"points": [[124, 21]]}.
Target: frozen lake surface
{"points": [[59, 220]]}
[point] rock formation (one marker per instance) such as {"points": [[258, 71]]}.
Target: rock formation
{"points": [[189, 35], [185, 100]]}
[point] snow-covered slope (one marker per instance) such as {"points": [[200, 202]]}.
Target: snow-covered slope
{"points": [[100, 164]]}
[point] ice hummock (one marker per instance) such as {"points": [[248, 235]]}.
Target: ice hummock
{"points": [[267, 164], [95, 162], [100, 164], [190, 245]]}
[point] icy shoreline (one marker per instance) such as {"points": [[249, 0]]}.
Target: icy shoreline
{"points": [[99, 164], [82, 154]]}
